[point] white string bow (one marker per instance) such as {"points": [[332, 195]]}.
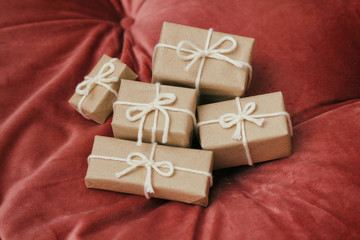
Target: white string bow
{"points": [[139, 111], [101, 78], [149, 164]]}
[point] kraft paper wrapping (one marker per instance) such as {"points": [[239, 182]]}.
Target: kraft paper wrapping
{"points": [[219, 78], [181, 124], [271, 141], [97, 106], [181, 186]]}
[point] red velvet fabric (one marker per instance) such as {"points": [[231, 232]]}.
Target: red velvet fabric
{"points": [[309, 50]]}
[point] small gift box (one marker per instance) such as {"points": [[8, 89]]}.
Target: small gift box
{"points": [[253, 129], [94, 96], [178, 174], [217, 64], [154, 113]]}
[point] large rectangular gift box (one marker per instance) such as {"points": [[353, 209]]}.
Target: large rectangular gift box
{"points": [[184, 57], [154, 113], [178, 174], [94, 96], [262, 131]]}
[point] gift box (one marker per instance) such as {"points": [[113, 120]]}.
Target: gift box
{"points": [[94, 96], [218, 64], [178, 174], [245, 131], [154, 113]]}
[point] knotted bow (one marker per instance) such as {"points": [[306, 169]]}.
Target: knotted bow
{"points": [[149, 164], [211, 52], [230, 119], [141, 110], [195, 53], [101, 78]]}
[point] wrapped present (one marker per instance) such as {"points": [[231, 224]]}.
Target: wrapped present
{"points": [[152, 170], [154, 113], [216, 64], [246, 131], [94, 96]]}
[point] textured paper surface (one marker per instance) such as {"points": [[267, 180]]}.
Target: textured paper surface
{"points": [[218, 78], [271, 141], [98, 104], [181, 124], [181, 186]]}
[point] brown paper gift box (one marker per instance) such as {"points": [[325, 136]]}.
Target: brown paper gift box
{"points": [[219, 78], [181, 124], [181, 186], [270, 141], [97, 106]]}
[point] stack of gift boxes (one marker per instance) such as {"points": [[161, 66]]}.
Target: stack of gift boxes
{"points": [[198, 78]]}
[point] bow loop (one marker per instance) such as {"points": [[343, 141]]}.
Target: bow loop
{"points": [[195, 53], [83, 88], [132, 161], [228, 120], [164, 99], [137, 112], [188, 47], [249, 108], [106, 69], [215, 46], [164, 164]]}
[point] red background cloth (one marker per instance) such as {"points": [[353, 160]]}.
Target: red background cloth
{"points": [[309, 50]]}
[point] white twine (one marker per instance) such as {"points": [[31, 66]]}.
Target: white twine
{"points": [[228, 120], [195, 53], [141, 110], [101, 78], [149, 164]]}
